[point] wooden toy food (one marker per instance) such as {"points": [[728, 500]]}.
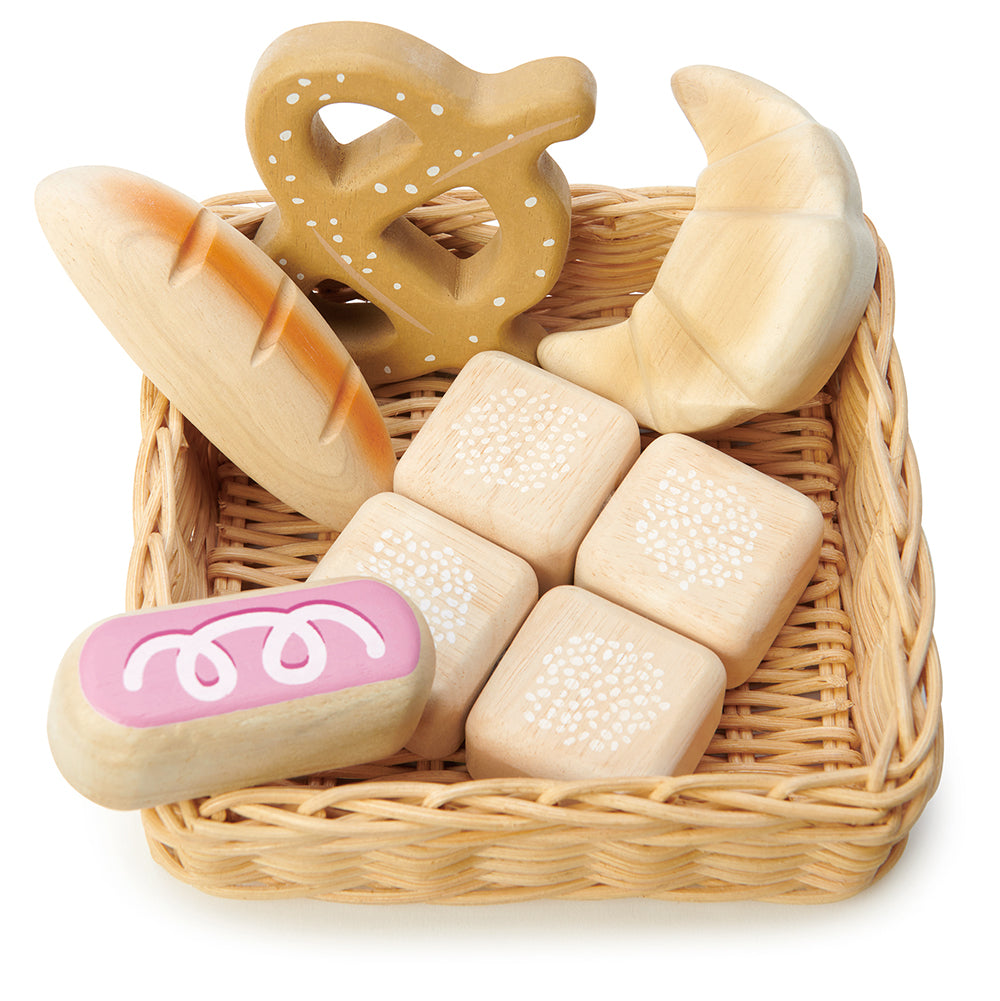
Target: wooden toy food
{"points": [[473, 594], [766, 281], [340, 208], [522, 458], [589, 690], [168, 704], [217, 326], [705, 545]]}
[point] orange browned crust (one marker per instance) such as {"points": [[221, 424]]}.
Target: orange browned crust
{"points": [[304, 335]]}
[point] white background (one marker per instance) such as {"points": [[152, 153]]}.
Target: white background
{"points": [[160, 88]]}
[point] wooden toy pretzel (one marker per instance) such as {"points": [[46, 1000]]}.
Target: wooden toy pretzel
{"points": [[340, 208]]}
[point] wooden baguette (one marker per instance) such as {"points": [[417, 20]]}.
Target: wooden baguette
{"points": [[220, 329]]}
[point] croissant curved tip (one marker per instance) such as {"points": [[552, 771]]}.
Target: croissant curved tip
{"points": [[730, 111], [689, 85]]}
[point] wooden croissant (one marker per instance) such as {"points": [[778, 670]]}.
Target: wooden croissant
{"points": [[766, 281]]}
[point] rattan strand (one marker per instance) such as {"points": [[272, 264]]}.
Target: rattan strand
{"points": [[823, 760]]}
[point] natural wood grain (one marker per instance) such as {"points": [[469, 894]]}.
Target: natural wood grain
{"points": [[473, 594], [707, 546], [212, 695], [590, 690], [522, 458], [766, 281], [217, 326], [340, 207]]}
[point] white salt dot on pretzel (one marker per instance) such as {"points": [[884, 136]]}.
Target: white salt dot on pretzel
{"points": [[340, 78], [283, 261], [333, 222], [297, 201], [396, 286], [324, 97], [303, 82], [338, 238], [346, 259], [499, 300], [289, 177], [549, 242], [531, 202], [310, 222], [292, 98], [372, 256], [458, 152], [366, 271], [272, 159], [511, 136], [433, 171], [400, 96], [436, 109], [381, 188], [285, 136], [474, 339], [540, 273], [301, 277], [430, 358], [411, 189], [388, 371]]}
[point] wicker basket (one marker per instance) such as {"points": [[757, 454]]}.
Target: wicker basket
{"points": [[821, 764]]}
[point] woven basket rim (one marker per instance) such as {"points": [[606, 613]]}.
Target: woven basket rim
{"points": [[861, 813]]}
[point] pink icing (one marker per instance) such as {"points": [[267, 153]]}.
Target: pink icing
{"points": [[191, 661]]}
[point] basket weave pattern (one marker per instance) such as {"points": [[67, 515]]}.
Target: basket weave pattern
{"points": [[823, 760]]}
